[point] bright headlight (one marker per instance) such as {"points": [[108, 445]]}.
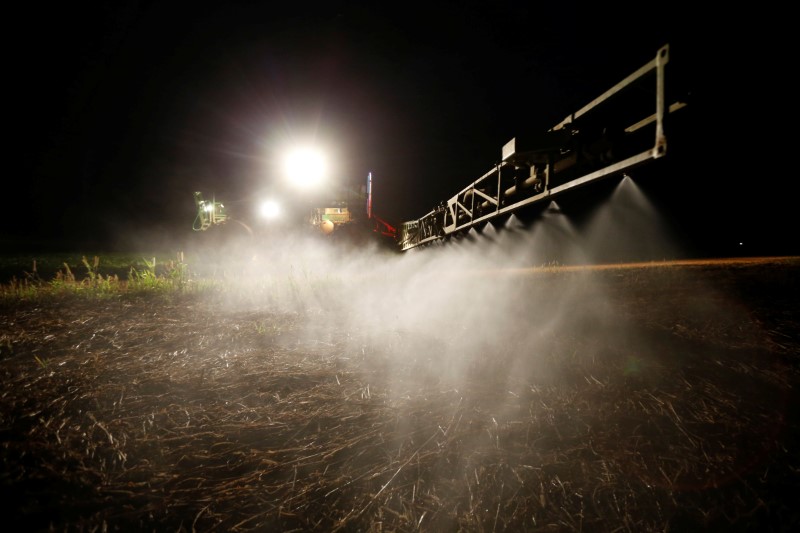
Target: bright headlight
{"points": [[270, 209], [305, 167]]}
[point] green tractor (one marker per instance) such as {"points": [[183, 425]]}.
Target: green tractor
{"points": [[209, 213]]}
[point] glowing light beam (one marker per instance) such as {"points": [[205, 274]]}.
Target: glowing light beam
{"points": [[305, 167]]}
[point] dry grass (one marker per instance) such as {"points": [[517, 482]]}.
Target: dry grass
{"points": [[172, 415]]}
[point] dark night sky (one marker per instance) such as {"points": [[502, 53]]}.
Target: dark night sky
{"points": [[120, 110]]}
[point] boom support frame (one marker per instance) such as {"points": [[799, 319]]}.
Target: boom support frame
{"points": [[622, 128]]}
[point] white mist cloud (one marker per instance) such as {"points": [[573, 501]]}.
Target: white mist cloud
{"points": [[487, 305]]}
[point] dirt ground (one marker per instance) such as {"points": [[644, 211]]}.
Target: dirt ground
{"points": [[184, 415]]}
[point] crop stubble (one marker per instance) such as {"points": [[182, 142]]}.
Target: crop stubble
{"points": [[181, 415]]}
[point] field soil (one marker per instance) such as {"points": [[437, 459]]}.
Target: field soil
{"points": [[183, 414]]}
